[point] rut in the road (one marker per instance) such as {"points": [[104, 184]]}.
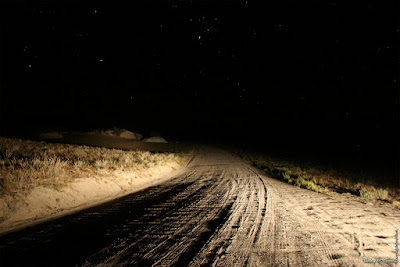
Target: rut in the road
{"points": [[207, 222], [232, 244]]}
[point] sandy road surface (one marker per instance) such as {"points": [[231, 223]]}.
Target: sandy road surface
{"points": [[219, 211]]}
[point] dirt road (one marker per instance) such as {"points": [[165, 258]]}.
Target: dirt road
{"points": [[218, 211]]}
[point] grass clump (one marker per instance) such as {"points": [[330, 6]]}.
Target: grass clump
{"points": [[374, 193], [58, 187], [304, 181]]}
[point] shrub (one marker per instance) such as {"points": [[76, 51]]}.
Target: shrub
{"points": [[286, 176], [382, 194], [365, 193], [373, 193], [118, 131]]}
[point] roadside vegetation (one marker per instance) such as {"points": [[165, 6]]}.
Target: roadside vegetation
{"points": [[26, 164], [321, 179]]}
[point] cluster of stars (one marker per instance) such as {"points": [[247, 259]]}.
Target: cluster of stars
{"points": [[224, 47]]}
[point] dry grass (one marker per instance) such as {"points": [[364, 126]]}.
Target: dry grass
{"points": [[26, 164], [323, 180]]}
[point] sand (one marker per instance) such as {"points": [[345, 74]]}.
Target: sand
{"points": [[44, 203]]}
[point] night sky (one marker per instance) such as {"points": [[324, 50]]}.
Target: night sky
{"points": [[196, 68]]}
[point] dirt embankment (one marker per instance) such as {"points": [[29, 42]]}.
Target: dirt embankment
{"points": [[43, 203], [37, 185]]}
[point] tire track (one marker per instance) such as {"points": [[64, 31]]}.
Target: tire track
{"points": [[232, 244], [291, 238], [218, 212], [175, 232]]}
